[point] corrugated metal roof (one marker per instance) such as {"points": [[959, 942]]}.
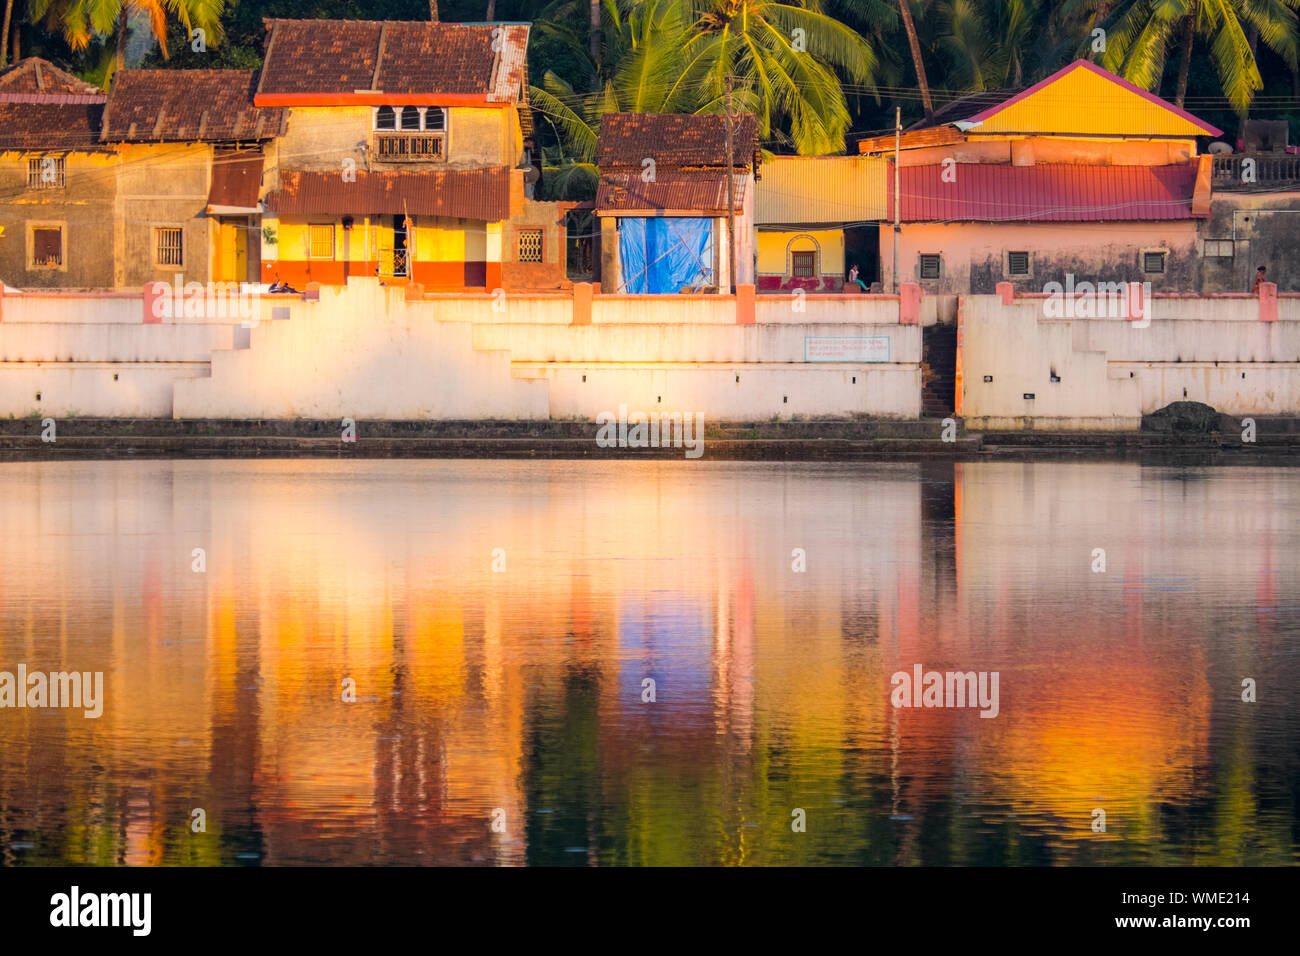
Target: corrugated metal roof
{"points": [[1048, 193], [236, 178], [693, 191], [480, 194], [821, 189]]}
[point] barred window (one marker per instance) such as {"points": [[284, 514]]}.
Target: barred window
{"points": [[803, 265], [929, 266], [1153, 263], [170, 246], [45, 172], [1018, 263], [320, 241], [530, 245]]}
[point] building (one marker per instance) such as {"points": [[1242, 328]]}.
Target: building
{"points": [[662, 201], [57, 180], [404, 157], [1082, 175], [360, 148], [817, 217]]}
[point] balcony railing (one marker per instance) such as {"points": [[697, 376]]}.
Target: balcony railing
{"points": [[1255, 171], [409, 147]]}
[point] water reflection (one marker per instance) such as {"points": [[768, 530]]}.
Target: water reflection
{"points": [[521, 692]]}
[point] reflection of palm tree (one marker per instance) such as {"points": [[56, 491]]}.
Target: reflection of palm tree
{"points": [[80, 20]]}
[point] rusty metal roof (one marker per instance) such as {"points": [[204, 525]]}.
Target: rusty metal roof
{"points": [[236, 179], [344, 57], [214, 106], [479, 194], [684, 191], [1046, 193]]}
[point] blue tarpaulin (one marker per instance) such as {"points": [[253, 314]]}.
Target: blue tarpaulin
{"points": [[663, 255]]}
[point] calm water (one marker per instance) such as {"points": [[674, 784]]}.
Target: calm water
{"points": [[519, 691]]}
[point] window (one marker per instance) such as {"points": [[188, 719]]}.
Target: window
{"points": [[1017, 263], [803, 265], [47, 247], [411, 119], [530, 245], [1153, 263], [320, 241], [929, 266], [1219, 249], [168, 249], [45, 172]]}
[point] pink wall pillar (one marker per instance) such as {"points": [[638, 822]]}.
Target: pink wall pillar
{"points": [[746, 311], [582, 294], [1007, 291], [909, 304], [153, 291], [1268, 301]]}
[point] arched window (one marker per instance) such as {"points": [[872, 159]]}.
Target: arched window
{"points": [[410, 117], [804, 255], [435, 118], [385, 118]]}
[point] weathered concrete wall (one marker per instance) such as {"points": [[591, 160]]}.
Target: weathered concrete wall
{"points": [[84, 208], [92, 389], [1265, 229], [1104, 373], [164, 186], [973, 254], [368, 352]]}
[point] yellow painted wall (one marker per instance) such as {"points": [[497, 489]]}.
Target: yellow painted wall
{"points": [[1083, 102], [439, 239], [773, 248]]}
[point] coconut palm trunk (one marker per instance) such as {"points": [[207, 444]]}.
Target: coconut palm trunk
{"points": [[433, 11], [491, 10], [119, 61], [4, 34], [1184, 67], [915, 44], [593, 38]]}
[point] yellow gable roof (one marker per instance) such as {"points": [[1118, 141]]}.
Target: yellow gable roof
{"points": [[1085, 100]]}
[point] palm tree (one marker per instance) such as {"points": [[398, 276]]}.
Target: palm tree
{"points": [[81, 20], [917, 63], [782, 56], [4, 33], [1145, 31]]}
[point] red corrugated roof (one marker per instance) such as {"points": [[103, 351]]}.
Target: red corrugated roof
{"points": [[696, 191], [480, 194], [1046, 193]]}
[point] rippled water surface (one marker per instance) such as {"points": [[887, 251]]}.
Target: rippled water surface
{"points": [[509, 685]]}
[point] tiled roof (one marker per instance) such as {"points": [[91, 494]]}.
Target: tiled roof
{"points": [[344, 57], [673, 139], [1046, 193], [215, 106], [700, 191], [51, 126], [480, 194], [34, 80]]}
